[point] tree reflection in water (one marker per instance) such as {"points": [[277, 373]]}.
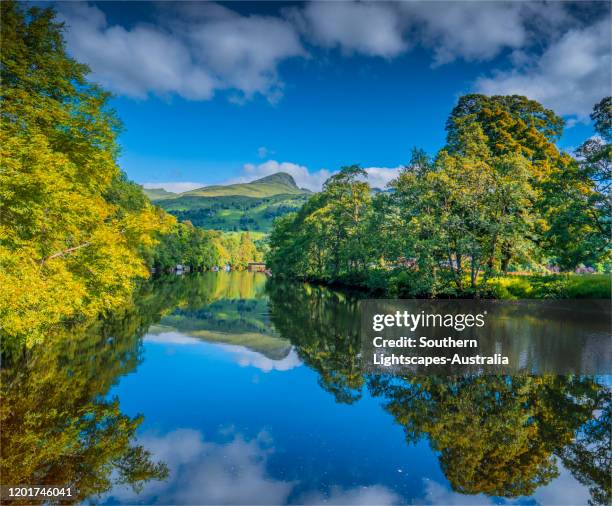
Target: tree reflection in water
{"points": [[498, 435], [58, 426]]}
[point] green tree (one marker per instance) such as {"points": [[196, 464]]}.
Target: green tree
{"points": [[595, 165], [499, 196], [327, 237], [565, 201]]}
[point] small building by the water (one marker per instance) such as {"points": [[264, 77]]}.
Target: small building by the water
{"points": [[256, 267]]}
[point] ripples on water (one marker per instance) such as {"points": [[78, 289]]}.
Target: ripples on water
{"points": [[231, 389]]}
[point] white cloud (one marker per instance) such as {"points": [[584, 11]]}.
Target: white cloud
{"points": [[303, 177], [369, 495], [209, 473], [242, 355], [193, 51], [171, 338], [436, 493], [570, 76], [174, 186], [378, 177], [563, 490], [235, 472], [468, 30], [197, 48], [249, 358], [262, 152], [374, 29], [472, 31]]}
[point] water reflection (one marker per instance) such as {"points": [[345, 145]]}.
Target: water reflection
{"points": [[324, 326], [231, 415], [209, 472], [498, 435], [58, 426]]}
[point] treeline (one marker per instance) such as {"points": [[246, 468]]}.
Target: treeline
{"points": [[500, 196], [202, 249]]}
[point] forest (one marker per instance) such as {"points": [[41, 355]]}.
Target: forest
{"points": [[498, 198]]}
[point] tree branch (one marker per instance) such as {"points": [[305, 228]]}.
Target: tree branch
{"points": [[65, 252]]}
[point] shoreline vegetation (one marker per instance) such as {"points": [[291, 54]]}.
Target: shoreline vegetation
{"points": [[76, 235], [509, 287], [499, 198]]}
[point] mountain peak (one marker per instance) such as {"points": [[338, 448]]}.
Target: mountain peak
{"points": [[278, 178]]}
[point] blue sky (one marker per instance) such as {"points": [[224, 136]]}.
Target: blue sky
{"points": [[213, 92]]}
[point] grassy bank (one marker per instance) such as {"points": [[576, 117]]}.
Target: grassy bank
{"points": [[559, 286], [405, 284]]}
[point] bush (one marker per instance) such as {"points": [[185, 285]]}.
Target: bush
{"points": [[565, 286]]}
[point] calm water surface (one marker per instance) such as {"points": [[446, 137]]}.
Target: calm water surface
{"points": [[229, 389]]}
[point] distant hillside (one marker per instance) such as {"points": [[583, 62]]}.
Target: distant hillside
{"points": [[276, 184], [244, 206], [158, 193]]}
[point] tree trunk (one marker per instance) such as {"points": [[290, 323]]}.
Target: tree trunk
{"points": [[506, 257]]}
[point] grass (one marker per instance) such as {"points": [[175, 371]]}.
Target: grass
{"points": [[557, 286], [158, 193], [408, 284]]}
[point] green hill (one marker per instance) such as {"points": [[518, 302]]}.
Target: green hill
{"points": [[244, 206], [158, 193], [276, 184]]}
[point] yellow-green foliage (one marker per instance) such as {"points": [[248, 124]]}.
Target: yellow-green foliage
{"points": [[71, 226], [203, 249], [566, 286]]}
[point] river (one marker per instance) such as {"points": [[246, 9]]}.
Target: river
{"points": [[229, 388]]}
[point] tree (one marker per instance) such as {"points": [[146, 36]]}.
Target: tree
{"points": [[499, 196], [510, 124], [595, 166], [327, 237], [458, 212], [70, 222], [566, 202]]}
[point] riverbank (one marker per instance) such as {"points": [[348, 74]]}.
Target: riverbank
{"points": [[403, 284]]}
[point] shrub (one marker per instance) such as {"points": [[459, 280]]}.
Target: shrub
{"points": [[564, 286]]}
